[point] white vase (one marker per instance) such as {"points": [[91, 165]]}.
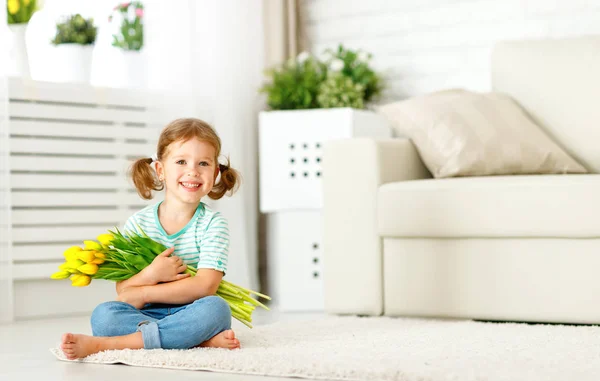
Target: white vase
{"points": [[133, 69], [72, 63], [18, 61]]}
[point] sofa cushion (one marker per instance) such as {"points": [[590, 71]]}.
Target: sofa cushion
{"points": [[464, 133], [496, 206]]}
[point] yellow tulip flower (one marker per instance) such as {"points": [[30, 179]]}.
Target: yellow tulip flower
{"points": [[105, 239], [71, 265], [86, 256], [92, 245], [26, 2], [60, 275], [88, 268], [13, 6], [99, 258], [71, 253], [80, 280]]}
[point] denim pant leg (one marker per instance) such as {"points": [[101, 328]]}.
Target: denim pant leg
{"points": [[119, 319], [194, 323]]}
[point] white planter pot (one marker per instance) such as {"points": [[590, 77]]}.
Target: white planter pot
{"points": [[290, 152], [114, 67], [134, 69], [18, 61], [72, 63]]}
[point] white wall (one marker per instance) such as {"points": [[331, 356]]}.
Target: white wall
{"points": [[6, 284], [426, 45]]}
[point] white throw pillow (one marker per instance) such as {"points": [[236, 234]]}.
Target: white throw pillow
{"points": [[463, 133]]}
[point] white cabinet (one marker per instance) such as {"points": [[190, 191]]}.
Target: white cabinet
{"points": [[290, 158]]}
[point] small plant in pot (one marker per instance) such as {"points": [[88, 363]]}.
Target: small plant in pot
{"points": [[75, 30], [127, 23], [338, 78], [74, 40], [130, 35], [20, 11]]}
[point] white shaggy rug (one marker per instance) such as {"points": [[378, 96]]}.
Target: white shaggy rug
{"points": [[380, 348]]}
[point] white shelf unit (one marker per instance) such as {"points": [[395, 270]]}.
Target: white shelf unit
{"points": [[290, 158], [70, 148]]}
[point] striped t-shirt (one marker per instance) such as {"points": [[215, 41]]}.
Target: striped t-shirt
{"points": [[203, 242]]}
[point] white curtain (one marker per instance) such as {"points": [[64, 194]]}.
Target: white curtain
{"points": [[228, 64], [6, 285], [208, 55]]}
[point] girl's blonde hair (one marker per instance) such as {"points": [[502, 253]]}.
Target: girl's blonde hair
{"points": [[144, 177]]}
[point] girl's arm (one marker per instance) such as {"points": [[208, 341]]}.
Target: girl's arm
{"points": [[139, 279], [164, 268], [205, 283]]}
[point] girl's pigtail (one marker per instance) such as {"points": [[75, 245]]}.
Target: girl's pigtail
{"points": [[230, 181], [144, 178]]}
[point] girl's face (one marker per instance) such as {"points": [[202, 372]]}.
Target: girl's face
{"points": [[189, 170]]}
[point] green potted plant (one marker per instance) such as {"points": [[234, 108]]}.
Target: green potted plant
{"points": [[312, 100], [127, 20], [294, 85], [130, 36], [18, 14], [341, 78], [74, 43]]}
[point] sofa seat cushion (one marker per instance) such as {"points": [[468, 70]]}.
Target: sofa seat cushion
{"points": [[494, 206]]}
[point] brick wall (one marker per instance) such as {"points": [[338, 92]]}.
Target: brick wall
{"points": [[426, 45]]}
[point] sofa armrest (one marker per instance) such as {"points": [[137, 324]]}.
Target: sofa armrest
{"points": [[353, 170]]}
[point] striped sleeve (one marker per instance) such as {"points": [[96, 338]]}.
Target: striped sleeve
{"points": [[213, 245]]}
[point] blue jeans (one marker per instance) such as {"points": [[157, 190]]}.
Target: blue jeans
{"points": [[164, 325]]}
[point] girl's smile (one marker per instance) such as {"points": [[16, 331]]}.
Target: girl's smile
{"points": [[191, 186]]}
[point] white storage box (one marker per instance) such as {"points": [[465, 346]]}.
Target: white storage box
{"points": [[290, 151]]}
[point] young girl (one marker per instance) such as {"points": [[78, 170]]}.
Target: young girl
{"points": [[161, 307]]}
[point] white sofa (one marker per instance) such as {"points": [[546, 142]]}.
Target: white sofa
{"points": [[505, 248]]}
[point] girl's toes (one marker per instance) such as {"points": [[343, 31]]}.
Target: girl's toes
{"points": [[67, 338]]}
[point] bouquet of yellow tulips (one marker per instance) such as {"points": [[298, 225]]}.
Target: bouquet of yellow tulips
{"points": [[116, 257]]}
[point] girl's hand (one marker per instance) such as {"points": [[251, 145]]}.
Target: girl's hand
{"points": [[134, 296], [166, 268]]}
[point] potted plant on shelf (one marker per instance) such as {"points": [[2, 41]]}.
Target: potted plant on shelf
{"points": [[18, 14], [312, 100], [74, 43], [129, 39], [341, 78]]}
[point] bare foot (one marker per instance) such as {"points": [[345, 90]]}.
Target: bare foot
{"points": [[79, 346], [225, 339]]}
